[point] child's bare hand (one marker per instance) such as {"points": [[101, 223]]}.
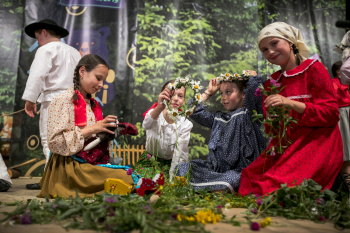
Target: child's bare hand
{"points": [[165, 94], [101, 126], [30, 108], [252, 72], [213, 87], [276, 100]]}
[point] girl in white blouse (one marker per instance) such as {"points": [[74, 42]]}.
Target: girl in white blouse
{"points": [[161, 135]]}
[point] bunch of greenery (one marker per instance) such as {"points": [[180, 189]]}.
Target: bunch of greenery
{"points": [[304, 201], [180, 209], [125, 213], [278, 119]]}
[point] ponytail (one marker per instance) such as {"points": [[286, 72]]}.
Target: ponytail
{"points": [[298, 57]]}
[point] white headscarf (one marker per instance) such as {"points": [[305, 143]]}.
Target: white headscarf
{"points": [[344, 47], [286, 32]]}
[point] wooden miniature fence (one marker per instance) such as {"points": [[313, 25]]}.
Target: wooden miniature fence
{"points": [[129, 154]]}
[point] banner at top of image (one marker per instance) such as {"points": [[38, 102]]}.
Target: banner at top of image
{"points": [[96, 3]]}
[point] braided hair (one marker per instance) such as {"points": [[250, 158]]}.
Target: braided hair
{"points": [[89, 61]]}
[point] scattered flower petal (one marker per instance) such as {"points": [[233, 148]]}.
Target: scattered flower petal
{"points": [[259, 202], [255, 226], [255, 211]]}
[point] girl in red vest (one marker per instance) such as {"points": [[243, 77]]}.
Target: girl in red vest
{"points": [[74, 117]]}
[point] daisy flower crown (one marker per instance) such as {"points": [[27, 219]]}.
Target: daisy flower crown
{"points": [[234, 77], [197, 99]]}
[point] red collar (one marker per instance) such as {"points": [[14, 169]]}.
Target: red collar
{"points": [[80, 110]]}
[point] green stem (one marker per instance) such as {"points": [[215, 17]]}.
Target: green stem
{"points": [[261, 211]]}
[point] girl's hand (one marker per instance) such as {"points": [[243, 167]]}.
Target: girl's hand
{"points": [[276, 100], [213, 87], [252, 72], [165, 94], [101, 126]]}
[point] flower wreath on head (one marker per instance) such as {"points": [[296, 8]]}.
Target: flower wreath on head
{"points": [[235, 77], [184, 82]]}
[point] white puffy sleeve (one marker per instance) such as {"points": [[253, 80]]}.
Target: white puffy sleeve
{"points": [[149, 123], [39, 71]]}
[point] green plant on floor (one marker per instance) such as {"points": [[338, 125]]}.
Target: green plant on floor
{"points": [[180, 209]]}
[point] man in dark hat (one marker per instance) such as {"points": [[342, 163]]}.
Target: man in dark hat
{"points": [[51, 73]]}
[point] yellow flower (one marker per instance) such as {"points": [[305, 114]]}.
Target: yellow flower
{"points": [[196, 86], [263, 223], [55, 196], [227, 74], [161, 187], [202, 216], [207, 198], [268, 220], [237, 75], [191, 219]]}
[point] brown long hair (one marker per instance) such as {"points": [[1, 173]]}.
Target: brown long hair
{"points": [[89, 61], [299, 59]]}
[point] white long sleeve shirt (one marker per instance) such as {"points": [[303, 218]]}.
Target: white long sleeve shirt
{"points": [[345, 72], [161, 138], [51, 71]]}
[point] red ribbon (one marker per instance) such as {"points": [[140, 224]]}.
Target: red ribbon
{"points": [[80, 110]]}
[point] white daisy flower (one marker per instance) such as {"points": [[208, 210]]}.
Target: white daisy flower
{"points": [[236, 75], [188, 112], [245, 72], [175, 112], [171, 86], [175, 115], [196, 86], [184, 80], [199, 98]]}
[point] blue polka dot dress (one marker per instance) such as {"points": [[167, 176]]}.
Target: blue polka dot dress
{"points": [[235, 142]]}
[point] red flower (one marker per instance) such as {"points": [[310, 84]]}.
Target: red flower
{"points": [[151, 185]]}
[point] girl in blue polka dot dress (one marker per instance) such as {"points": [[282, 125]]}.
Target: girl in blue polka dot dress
{"points": [[235, 140]]}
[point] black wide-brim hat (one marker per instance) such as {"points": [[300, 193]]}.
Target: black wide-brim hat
{"points": [[45, 24]]}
